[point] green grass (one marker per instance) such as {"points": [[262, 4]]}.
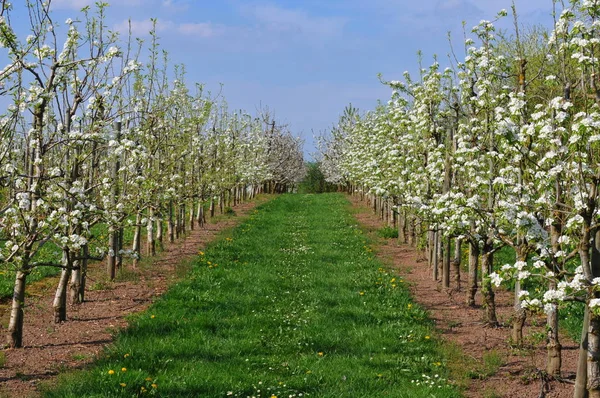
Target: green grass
{"points": [[290, 304]]}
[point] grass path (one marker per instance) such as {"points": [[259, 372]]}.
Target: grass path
{"points": [[292, 303]]}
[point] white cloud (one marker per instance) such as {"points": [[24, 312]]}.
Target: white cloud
{"points": [[79, 4], [142, 28], [175, 5], [71, 4], [202, 30], [295, 21]]}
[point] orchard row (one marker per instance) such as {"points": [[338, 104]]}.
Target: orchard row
{"points": [[103, 130], [500, 149]]}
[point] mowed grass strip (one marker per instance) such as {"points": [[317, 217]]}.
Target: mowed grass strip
{"points": [[292, 303]]}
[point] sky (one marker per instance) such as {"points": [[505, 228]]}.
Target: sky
{"points": [[305, 60]]}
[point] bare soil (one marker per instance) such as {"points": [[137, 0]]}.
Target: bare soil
{"points": [[51, 348], [520, 370]]}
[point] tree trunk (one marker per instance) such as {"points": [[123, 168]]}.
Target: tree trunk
{"points": [[446, 263], [15, 326], [593, 356], [581, 378], [171, 224], [401, 226], [150, 242], [553, 347], [111, 259], [159, 230], [60, 297], [489, 303], [435, 255], [191, 219], [75, 283], [456, 263], [78, 276], [520, 315], [473, 265], [200, 214], [136, 246]]}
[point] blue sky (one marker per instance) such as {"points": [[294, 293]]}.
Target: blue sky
{"points": [[305, 60]]}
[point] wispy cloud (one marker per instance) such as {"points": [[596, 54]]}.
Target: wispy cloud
{"points": [[200, 30], [79, 4], [295, 21], [176, 5], [71, 4], [141, 28]]}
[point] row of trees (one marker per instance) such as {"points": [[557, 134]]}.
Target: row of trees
{"points": [[93, 135], [502, 148]]}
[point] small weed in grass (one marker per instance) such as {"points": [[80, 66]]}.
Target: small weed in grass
{"points": [[388, 233], [489, 366], [127, 275], [2, 359], [229, 211], [80, 357], [100, 285]]}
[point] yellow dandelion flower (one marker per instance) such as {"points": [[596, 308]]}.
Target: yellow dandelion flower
{"points": [[427, 337], [111, 372], [393, 280], [143, 389], [122, 384], [320, 354], [153, 385], [438, 364], [273, 396], [126, 355], [201, 253], [123, 369], [152, 316], [361, 293], [409, 306], [148, 379]]}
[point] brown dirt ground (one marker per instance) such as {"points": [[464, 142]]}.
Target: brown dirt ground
{"points": [[458, 324], [51, 348]]}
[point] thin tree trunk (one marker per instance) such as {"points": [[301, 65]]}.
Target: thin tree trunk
{"points": [[159, 230], [136, 246], [456, 262], [15, 326], [446, 263], [473, 265], [581, 378], [401, 226], [593, 356], [435, 255], [520, 315], [75, 283], [553, 347], [150, 242], [111, 259], [487, 261], [170, 224], [191, 218], [78, 277], [60, 297]]}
